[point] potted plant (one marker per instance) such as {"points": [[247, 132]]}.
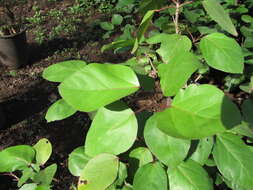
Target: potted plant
{"points": [[13, 44]]}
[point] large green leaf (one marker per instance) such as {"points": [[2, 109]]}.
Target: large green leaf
{"points": [[234, 159], [26, 174], [203, 150], [43, 151], [77, 161], [99, 173], [218, 14], [59, 110], [60, 71], [222, 53], [108, 129], [164, 147], [98, 85], [189, 175], [198, 111], [16, 158], [151, 176], [171, 45], [45, 176], [175, 74]]}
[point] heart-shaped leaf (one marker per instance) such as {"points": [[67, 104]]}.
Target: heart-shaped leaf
{"points": [[59, 110], [218, 14], [175, 74], [165, 147], [151, 176], [29, 186], [234, 159], [98, 85], [43, 151], [222, 53], [99, 172], [198, 111], [16, 158], [189, 175], [108, 129], [77, 161], [60, 71]]}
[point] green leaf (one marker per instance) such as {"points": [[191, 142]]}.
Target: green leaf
{"points": [[175, 74], [117, 19], [243, 129], [108, 129], [59, 110], [164, 147], [198, 111], [77, 161], [45, 177], [26, 174], [43, 151], [171, 45], [218, 14], [16, 158], [99, 173], [222, 53], [118, 44], [142, 154], [60, 71], [247, 110], [122, 174], [203, 150], [247, 18], [107, 26], [234, 159], [30, 186], [142, 29], [98, 85], [189, 175], [150, 177], [43, 187]]}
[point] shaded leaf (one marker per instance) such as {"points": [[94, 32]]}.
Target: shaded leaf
{"points": [[142, 154], [45, 176]]}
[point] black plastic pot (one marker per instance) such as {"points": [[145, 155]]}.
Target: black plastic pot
{"points": [[13, 50]]}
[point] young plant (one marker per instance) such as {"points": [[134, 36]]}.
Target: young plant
{"points": [[28, 163], [183, 133]]}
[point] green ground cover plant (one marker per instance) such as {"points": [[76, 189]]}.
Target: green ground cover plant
{"points": [[28, 162], [199, 138]]}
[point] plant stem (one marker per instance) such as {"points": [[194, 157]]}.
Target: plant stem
{"points": [[176, 16], [11, 175]]}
